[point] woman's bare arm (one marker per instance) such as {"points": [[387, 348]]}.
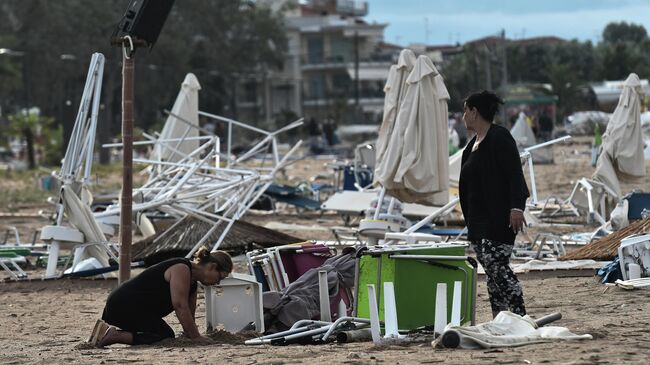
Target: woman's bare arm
{"points": [[179, 284]]}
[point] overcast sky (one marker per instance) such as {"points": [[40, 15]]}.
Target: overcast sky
{"points": [[451, 21]]}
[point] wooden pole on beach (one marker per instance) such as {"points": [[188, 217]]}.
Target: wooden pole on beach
{"points": [[126, 199], [139, 27], [128, 45]]}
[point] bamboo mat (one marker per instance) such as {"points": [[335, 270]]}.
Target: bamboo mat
{"points": [[606, 248], [180, 240]]}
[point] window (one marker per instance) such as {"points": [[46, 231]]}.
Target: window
{"points": [[250, 92], [315, 87], [314, 50], [342, 49]]}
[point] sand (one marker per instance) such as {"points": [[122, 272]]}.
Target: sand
{"points": [[49, 321]]}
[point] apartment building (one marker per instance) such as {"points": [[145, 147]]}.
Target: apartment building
{"points": [[335, 69]]}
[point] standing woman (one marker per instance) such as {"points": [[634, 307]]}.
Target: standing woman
{"points": [[493, 195], [135, 310]]}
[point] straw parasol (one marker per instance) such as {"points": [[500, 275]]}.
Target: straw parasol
{"points": [[179, 241]]}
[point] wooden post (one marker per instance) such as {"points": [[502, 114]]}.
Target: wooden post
{"points": [[126, 200]]}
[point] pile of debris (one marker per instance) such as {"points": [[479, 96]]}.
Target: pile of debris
{"points": [[606, 248], [243, 236]]}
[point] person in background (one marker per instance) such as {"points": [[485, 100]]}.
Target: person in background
{"points": [[512, 119], [134, 311], [545, 127], [493, 195], [460, 129]]}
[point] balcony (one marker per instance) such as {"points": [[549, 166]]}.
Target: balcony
{"points": [[365, 93], [352, 7], [342, 7], [327, 61], [321, 61]]}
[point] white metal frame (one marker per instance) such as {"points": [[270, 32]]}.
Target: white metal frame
{"points": [[77, 163], [526, 155], [198, 186], [18, 274]]}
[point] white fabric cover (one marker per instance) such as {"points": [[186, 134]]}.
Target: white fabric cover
{"points": [[618, 218], [621, 153], [80, 216], [394, 90], [510, 330], [455, 162], [522, 133], [524, 136], [186, 106], [415, 165]]}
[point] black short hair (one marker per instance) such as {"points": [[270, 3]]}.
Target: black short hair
{"points": [[486, 102]]}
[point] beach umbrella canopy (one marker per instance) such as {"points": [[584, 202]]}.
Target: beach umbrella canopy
{"points": [[394, 90], [524, 136], [522, 133], [621, 154], [186, 106], [415, 165]]}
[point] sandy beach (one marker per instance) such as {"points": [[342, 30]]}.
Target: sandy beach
{"points": [[48, 321]]}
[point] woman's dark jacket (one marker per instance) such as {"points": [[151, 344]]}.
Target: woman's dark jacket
{"points": [[502, 185]]}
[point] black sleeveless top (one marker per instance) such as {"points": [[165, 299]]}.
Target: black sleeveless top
{"points": [[148, 294]]}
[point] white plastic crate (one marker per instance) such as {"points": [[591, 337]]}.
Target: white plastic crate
{"points": [[234, 303], [635, 250]]}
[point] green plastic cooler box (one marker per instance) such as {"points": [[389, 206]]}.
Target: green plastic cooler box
{"points": [[415, 271]]}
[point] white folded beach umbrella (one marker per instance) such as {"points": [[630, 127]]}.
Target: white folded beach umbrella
{"points": [[186, 107], [524, 136], [82, 218], [621, 153], [522, 133], [394, 90], [77, 162], [415, 167], [75, 172]]}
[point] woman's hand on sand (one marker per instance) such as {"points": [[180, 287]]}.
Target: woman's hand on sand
{"points": [[517, 220], [203, 340], [200, 340]]}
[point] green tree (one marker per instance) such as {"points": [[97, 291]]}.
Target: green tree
{"points": [[25, 124], [624, 49], [11, 78], [220, 41], [526, 63], [462, 76], [565, 84], [624, 33]]}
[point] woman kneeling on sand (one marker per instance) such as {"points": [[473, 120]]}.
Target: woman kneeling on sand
{"points": [[134, 311]]}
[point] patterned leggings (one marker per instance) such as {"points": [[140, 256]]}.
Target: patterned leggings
{"points": [[503, 286]]}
